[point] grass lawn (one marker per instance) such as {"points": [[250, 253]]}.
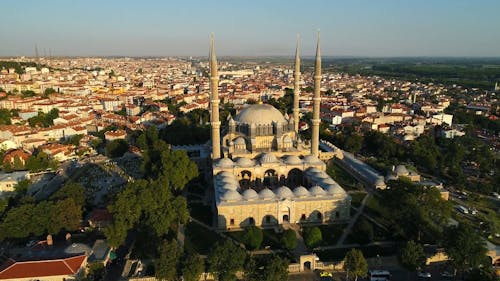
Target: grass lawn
{"points": [[343, 178], [201, 212], [331, 233], [199, 239], [357, 198], [271, 238]]}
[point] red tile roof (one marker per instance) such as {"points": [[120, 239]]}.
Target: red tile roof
{"points": [[32, 269]]}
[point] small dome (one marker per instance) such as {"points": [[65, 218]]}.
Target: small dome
{"points": [[225, 174], [292, 160], [321, 176], [300, 191], [266, 193], [379, 181], [229, 180], [401, 170], [231, 195], [268, 158], [311, 159], [317, 191], [328, 181], [250, 194], [244, 162], [229, 186], [313, 170], [335, 190], [239, 141], [284, 192], [225, 163]]}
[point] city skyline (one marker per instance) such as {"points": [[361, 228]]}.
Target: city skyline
{"points": [[357, 28]]}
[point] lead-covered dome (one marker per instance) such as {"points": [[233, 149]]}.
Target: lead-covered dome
{"points": [[300, 191], [260, 114], [292, 160], [284, 192], [244, 162], [317, 190], [311, 159], [266, 193], [250, 194], [231, 195], [268, 158], [225, 163]]}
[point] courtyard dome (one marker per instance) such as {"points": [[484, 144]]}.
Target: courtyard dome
{"points": [[292, 160], [328, 181], [260, 114], [284, 192], [301, 191], [401, 170], [335, 190], [225, 163], [250, 194], [231, 195], [268, 158], [244, 162], [311, 159], [266, 193], [313, 170], [317, 191]]}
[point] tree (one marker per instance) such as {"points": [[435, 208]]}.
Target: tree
{"points": [[412, 256], [116, 148], [49, 91], [166, 263], [312, 237], [482, 274], [363, 231], [253, 237], [289, 239], [5, 116], [355, 263], [273, 268], [193, 267], [465, 247], [225, 260], [70, 190]]}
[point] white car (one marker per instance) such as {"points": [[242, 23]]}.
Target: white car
{"points": [[423, 274]]}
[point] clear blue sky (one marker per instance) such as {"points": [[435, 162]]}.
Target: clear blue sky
{"points": [[258, 27]]}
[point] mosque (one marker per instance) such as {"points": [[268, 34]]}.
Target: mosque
{"points": [[263, 173]]}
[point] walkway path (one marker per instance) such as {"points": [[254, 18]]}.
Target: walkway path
{"points": [[353, 220]]}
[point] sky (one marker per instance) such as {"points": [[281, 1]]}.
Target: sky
{"points": [[373, 28]]}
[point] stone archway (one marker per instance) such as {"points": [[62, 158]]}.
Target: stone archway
{"points": [[307, 262], [270, 178], [307, 265]]}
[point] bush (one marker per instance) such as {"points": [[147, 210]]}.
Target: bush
{"points": [[362, 232], [289, 239], [253, 237], [116, 148], [312, 237]]}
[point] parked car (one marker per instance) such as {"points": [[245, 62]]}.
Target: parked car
{"points": [[423, 274]]}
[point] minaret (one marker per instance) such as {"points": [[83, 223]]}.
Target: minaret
{"points": [[214, 101], [296, 90], [316, 102]]}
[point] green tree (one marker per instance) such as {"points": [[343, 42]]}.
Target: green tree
{"points": [[49, 91], [289, 239], [482, 274], [5, 116], [166, 263], [253, 237], [22, 187], [363, 231], [312, 237], [70, 190], [273, 268], [225, 260], [193, 268], [116, 148], [355, 263], [412, 256], [465, 247]]}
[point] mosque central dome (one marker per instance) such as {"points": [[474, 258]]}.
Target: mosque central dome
{"points": [[260, 114]]}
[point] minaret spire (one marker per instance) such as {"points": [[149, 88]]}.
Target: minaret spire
{"points": [[316, 101], [214, 101], [296, 88]]}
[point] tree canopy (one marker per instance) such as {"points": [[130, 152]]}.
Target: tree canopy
{"points": [[166, 263], [355, 263], [412, 256], [312, 236], [225, 260], [253, 237]]}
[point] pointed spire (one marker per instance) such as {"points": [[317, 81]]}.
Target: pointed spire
{"points": [[296, 88], [213, 58], [297, 56], [214, 101], [317, 66]]}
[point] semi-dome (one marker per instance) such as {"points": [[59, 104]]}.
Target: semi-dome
{"points": [[266, 193], [284, 192], [260, 114], [239, 141], [231, 195], [250, 194], [317, 190], [244, 162], [301, 191], [401, 170], [225, 163], [268, 158], [292, 160], [311, 159]]}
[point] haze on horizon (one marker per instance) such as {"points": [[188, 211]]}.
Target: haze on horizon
{"points": [[383, 28]]}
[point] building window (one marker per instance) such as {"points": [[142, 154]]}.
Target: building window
{"points": [[303, 217], [319, 216], [231, 222], [251, 221], [268, 219]]}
